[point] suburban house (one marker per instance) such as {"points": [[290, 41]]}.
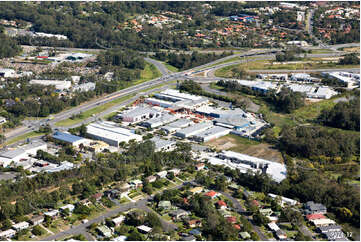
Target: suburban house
{"points": [[221, 204], [311, 208], [20, 226], [281, 234], [7, 233], [136, 183], [104, 231], [315, 216], [52, 213], [179, 213], [70, 207], [165, 205], [37, 220], [98, 196], [144, 229], [194, 223], [118, 220], [323, 222], [161, 174], [196, 190], [200, 166], [211, 194], [150, 179], [175, 171]]}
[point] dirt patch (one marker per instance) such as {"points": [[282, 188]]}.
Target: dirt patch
{"points": [[248, 147]]}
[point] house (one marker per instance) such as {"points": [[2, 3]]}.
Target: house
{"points": [[124, 187], [7, 73], [120, 238], [85, 202], [266, 211], [225, 213], [212, 194], [70, 207], [237, 226], [323, 222], [161, 174], [195, 232], [281, 234], [194, 223], [273, 219], [104, 231], [118, 220], [311, 208], [165, 205], [231, 219], [245, 235], [273, 227], [221, 205], [52, 213], [136, 183], [150, 179], [255, 203], [284, 200], [196, 190], [179, 213], [199, 166], [20, 226], [144, 229], [175, 171], [37, 220], [315, 216], [7, 233], [98, 196]]}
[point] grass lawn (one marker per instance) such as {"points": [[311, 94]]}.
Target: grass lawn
{"points": [[90, 112], [23, 137], [321, 51], [170, 67], [150, 72]]}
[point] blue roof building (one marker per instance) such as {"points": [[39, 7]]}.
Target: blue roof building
{"points": [[195, 232], [68, 138]]}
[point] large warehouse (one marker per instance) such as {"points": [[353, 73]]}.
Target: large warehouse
{"points": [[181, 100], [111, 133], [212, 133], [22, 152], [139, 113], [177, 125], [193, 130], [159, 121], [68, 138], [276, 170], [59, 85]]}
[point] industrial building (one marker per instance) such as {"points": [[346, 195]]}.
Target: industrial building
{"points": [[212, 133], [159, 102], [303, 77], [59, 85], [313, 91], [139, 113], [68, 138], [279, 77], [181, 100], [245, 163], [162, 144], [259, 86], [352, 80], [177, 125], [85, 87], [193, 130], [159, 121], [22, 152], [111, 133]]}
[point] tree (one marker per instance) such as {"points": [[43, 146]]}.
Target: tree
{"points": [[349, 59], [37, 230], [260, 219], [135, 236]]}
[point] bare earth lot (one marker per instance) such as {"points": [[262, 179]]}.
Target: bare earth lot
{"points": [[248, 147]]}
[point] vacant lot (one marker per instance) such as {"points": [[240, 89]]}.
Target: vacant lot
{"points": [[248, 147]]}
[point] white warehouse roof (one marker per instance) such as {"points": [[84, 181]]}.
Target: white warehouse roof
{"points": [[60, 85]]}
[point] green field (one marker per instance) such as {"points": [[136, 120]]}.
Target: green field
{"points": [[31, 134], [170, 67], [268, 65], [150, 72], [90, 112]]}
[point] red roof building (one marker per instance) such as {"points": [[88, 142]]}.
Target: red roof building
{"points": [[236, 226], [315, 216], [232, 219], [221, 204], [255, 203], [211, 194]]}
